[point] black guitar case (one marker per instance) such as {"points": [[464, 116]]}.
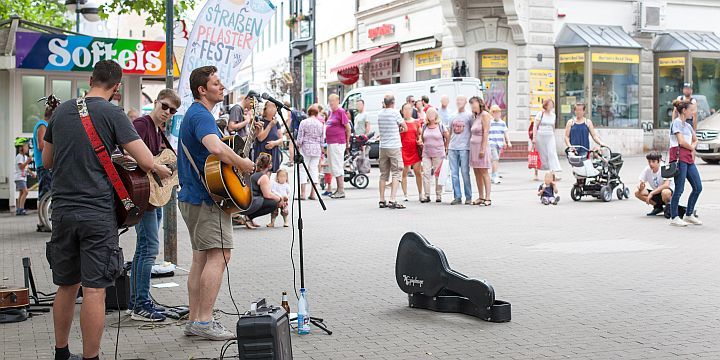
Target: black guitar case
{"points": [[422, 271]]}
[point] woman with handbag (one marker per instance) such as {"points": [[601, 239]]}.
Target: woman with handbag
{"points": [[543, 138], [682, 164], [411, 149]]}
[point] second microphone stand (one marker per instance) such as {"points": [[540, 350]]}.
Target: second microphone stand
{"points": [[299, 161]]}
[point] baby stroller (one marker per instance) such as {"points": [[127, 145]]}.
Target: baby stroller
{"points": [[355, 169], [597, 173]]}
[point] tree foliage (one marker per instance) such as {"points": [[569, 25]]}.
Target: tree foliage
{"points": [[152, 10], [45, 12]]}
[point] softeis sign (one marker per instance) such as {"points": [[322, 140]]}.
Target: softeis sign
{"points": [[382, 30]]}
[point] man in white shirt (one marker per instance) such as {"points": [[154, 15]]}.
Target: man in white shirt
{"points": [[390, 125], [653, 189]]}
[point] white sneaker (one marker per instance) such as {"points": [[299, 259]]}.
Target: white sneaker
{"points": [[677, 221], [692, 219]]}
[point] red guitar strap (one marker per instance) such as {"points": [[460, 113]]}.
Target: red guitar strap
{"points": [[103, 155]]}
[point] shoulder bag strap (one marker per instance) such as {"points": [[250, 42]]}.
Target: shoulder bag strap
{"points": [[103, 155]]}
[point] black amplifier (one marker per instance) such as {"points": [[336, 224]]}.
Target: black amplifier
{"points": [[264, 333]]}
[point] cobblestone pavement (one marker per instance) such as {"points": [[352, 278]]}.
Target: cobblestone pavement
{"points": [[586, 280]]}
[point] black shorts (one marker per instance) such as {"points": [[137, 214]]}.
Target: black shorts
{"points": [[84, 249], [657, 198]]}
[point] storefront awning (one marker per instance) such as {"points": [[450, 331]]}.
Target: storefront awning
{"points": [[422, 44], [582, 35], [687, 41], [361, 57]]}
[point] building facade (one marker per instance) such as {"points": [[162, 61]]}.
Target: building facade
{"points": [[626, 59]]}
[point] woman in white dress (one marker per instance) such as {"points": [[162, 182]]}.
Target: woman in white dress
{"points": [[544, 137]]}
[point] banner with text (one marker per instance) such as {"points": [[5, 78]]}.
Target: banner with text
{"points": [[224, 35]]}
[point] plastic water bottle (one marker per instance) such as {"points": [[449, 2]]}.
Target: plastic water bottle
{"points": [[303, 318]]}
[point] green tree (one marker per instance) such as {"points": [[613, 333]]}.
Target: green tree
{"points": [[153, 10], [45, 12]]}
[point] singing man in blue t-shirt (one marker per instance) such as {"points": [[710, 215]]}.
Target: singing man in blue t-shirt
{"points": [[210, 228]]}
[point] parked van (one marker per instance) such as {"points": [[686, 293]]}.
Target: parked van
{"points": [[434, 89]]}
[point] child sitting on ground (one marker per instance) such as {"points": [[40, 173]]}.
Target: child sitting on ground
{"points": [[548, 190], [281, 188]]}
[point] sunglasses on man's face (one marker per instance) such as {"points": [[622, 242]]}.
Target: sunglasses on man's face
{"points": [[166, 106]]}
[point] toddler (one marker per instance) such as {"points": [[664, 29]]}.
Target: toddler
{"points": [[281, 188], [548, 190], [327, 175]]}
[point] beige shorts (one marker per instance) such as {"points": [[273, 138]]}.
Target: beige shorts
{"points": [[391, 164], [209, 227], [336, 159]]}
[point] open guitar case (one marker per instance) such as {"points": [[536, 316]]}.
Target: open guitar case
{"points": [[422, 271]]}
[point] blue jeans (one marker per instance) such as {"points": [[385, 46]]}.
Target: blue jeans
{"points": [[147, 248], [459, 164], [44, 181], [689, 172]]}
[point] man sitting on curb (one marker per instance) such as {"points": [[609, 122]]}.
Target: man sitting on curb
{"points": [[653, 189]]}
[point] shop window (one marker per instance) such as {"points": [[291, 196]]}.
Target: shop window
{"points": [[706, 83], [62, 89], [82, 88], [615, 101], [671, 76], [571, 81], [428, 74], [33, 88]]}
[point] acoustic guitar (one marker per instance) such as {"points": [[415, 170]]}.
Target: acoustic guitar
{"points": [[14, 297], [138, 187], [229, 188], [161, 189]]}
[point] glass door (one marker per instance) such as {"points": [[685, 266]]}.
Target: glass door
{"points": [[493, 73]]}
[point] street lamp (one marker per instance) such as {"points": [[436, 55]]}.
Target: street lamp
{"points": [[88, 8]]}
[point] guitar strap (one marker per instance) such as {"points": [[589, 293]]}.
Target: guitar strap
{"points": [[104, 157], [202, 178], [166, 142]]}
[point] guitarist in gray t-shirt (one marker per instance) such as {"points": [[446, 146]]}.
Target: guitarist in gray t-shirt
{"points": [[84, 245]]}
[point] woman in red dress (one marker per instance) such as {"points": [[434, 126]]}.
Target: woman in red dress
{"points": [[411, 156]]}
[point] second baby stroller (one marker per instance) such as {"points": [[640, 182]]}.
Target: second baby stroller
{"points": [[355, 169], [597, 173]]}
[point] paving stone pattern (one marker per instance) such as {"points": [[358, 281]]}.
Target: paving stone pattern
{"points": [[638, 289]]}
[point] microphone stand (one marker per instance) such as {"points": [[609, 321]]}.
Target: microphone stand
{"points": [[298, 161]]}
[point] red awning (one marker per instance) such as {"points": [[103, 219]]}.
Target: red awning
{"points": [[361, 57]]}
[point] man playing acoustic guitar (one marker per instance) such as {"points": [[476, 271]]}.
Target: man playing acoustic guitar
{"points": [[210, 228], [149, 127], [84, 246]]}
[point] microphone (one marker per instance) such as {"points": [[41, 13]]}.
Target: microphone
{"points": [[277, 103], [253, 94]]}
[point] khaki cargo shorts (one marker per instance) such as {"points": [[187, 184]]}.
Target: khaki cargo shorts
{"points": [[209, 227], [391, 164]]}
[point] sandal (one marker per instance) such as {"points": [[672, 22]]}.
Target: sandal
{"points": [[395, 205], [382, 204], [487, 202], [479, 201]]}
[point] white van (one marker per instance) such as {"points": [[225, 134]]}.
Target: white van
{"points": [[434, 89]]}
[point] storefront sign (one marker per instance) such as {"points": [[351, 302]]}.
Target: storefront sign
{"points": [[427, 60], [381, 69], [223, 36], [494, 61], [542, 86], [616, 58], [349, 76], [80, 53], [672, 61], [571, 58], [385, 29]]}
